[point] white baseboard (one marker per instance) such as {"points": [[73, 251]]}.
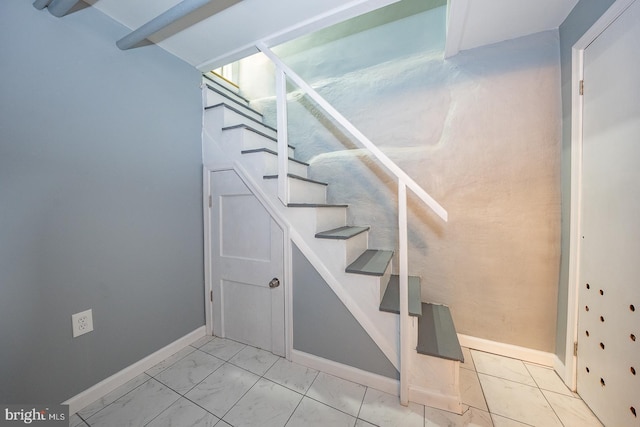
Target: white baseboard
{"points": [[434, 399], [508, 350], [82, 399], [379, 382]]}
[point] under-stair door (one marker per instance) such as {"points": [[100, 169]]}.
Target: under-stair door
{"points": [[609, 277], [247, 266]]}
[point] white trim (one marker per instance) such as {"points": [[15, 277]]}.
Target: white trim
{"points": [[577, 72], [369, 379], [434, 399], [456, 22], [82, 399], [206, 195], [508, 350], [559, 367]]}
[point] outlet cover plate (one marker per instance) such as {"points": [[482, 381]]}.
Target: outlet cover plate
{"points": [[82, 322]]}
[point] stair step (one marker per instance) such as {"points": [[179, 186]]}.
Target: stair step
{"points": [[241, 113], [224, 84], [437, 334], [267, 150], [391, 299], [294, 176], [342, 233], [372, 262], [315, 205], [222, 94]]}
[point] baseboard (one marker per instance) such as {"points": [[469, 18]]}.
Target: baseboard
{"points": [[346, 372], [80, 400], [508, 350]]}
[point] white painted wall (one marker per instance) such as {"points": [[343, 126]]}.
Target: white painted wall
{"points": [[480, 132]]}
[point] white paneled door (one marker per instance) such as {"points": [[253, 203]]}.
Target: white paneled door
{"points": [[609, 273], [247, 255]]}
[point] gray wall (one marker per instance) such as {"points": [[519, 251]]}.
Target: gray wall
{"points": [[480, 132], [323, 326], [100, 201], [581, 18]]}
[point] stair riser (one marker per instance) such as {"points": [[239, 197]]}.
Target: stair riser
{"points": [[435, 382], [245, 139], [355, 246], [301, 191], [221, 116], [267, 164], [214, 98]]}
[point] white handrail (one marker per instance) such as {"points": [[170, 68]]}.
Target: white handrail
{"points": [[395, 169], [404, 181]]}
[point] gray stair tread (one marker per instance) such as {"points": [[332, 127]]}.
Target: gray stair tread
{"points": [[249, 128], [315, 205], [372, 262], [235, 110], [294, 176], [437, 334], [266, 150], [223, 87], [342, 233], [226, 93], [391, 299]]}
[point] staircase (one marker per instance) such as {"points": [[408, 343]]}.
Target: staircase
{"points": [[235, 136]]}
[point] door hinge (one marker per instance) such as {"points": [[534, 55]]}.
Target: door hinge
{"points": [[210, 202], [575, 348], [211, 296], [581, 87]]}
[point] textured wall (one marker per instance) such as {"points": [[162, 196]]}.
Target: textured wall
{"points": [[100, 201], [480, 132]]}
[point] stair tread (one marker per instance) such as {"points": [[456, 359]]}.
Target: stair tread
{"points": [[437, 333], [267, 150], [372, 262], [225, 88], [391, 299], [249, 128], [315, 205], [235, 110], [342, 233], [222, 92], [294, 176]]}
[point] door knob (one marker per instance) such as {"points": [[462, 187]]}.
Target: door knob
{"points": [[274, 283]]}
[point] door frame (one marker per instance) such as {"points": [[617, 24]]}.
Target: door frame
{"points": [[569, 371], [208, 251]]}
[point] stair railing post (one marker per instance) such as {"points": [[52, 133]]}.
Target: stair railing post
{"points": [[405, 326], [283, 143]]}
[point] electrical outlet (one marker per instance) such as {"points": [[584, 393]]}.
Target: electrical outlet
{"points": [[82, 323]]}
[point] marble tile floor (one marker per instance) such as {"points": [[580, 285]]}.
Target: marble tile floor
{"points": [[219, 382]]}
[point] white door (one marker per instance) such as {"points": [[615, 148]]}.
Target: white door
{"points": [[247, 254], [609, 295]]}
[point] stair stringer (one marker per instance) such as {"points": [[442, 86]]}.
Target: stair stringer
{"points": [[359, 294]]}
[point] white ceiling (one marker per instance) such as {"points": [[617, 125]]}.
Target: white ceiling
{"points": [[227, 30]]}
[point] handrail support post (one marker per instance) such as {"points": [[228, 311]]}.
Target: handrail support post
{"points": [[403, 263], [283, 143]]}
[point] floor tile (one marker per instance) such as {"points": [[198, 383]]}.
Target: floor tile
{"points": [[222, 348], [518, 401], [254, 360], [76, 421], [499, 421], [170, 361], [267, 404], [547, 379], [136, 408], [221, 423], [291, 375], [222, 389], [471, 417], [202, 341], [183, 375], [341, 394], [363, 423], [111, 397], [503, 367], [311, 413], [471, 390], [184, 413], [384, 410], [572, 411], [468, 360]]}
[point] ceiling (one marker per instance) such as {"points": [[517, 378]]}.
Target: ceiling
{"points": [[227, 30]]}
